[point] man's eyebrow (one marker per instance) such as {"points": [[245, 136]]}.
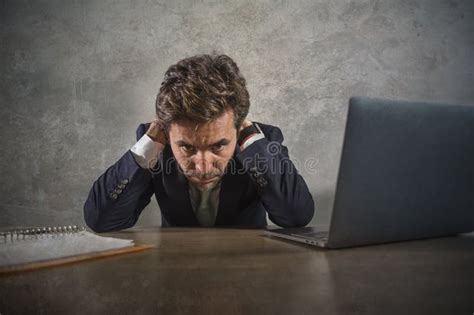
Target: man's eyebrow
{"points": [[182, 142], [223, 141]]}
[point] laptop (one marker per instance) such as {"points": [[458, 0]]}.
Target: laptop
{"points": [[406, 172]]}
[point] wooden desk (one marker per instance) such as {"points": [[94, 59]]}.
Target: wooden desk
{"points": [[239, 271]]}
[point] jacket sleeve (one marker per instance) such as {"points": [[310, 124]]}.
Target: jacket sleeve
{"points": [[119, 195], [283, 191]]}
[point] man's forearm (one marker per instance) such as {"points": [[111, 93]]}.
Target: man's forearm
{"points": [[118, 196], [284, 192]]}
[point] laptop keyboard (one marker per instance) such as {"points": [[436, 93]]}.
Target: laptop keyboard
{"points": [[323, 235]]}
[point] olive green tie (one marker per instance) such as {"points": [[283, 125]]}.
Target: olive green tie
{"points": [[204, 213]]}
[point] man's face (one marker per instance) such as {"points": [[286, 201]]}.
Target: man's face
{"points": [[203, 150]]}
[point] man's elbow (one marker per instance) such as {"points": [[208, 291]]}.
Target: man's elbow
{"points": [[304, 215], [300, 216], [100, 220], [91, 217]]}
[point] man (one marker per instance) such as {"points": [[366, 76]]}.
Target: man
{"points": [[205, 162]]}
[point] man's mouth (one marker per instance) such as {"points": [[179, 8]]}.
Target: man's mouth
{"points": [[205, 180]]}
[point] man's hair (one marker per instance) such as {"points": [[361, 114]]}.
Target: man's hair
{"points": [[200, 89]]}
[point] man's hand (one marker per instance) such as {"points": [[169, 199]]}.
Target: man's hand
{"points": [[156, 132], [246, 123]]}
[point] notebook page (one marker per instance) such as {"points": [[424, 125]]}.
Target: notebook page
{"points": [[35, 248]]}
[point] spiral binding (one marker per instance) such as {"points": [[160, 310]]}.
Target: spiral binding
{"points": [[39, 232]]}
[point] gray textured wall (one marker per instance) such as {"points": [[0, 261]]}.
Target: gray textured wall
{"points": [[77, 77]]}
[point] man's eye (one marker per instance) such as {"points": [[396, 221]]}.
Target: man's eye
{"points": [[186, 148], [218, 148]]}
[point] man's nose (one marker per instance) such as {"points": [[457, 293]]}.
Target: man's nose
{"points": [[204, 164]]}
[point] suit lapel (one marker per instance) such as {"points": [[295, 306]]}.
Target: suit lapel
{"points": [[177, 189], [232, 187]]}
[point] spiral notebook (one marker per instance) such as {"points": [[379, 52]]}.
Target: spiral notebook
{"points": [[35, 248]]}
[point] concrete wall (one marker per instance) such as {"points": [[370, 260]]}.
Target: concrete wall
{"points": [[77, 77]]}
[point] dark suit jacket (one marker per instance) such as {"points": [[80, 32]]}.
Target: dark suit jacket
{"points": [[259, 179]]}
